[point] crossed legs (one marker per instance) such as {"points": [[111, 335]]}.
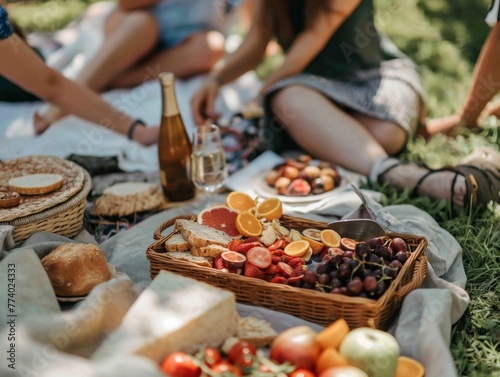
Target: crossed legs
{"points": [[355, 142]]}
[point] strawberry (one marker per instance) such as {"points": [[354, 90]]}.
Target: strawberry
{"points": [[272, 270], [295, 262], [279, 244], [286, 258], [268, 277], [244, 247], [219, 263], [251, 239], [275, 259], [296, 281], [278, 252], [233, 244], [279, 280], [252, 271], [285, 269], [259, 256], [298, 271]]}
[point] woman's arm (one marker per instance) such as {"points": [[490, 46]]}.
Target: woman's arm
{"points": [[135, 4], [312, 40], [22, 66], [251, 50], [245, 58]]}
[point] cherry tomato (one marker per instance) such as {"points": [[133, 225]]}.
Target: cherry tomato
{"points": [[302, 373], [211, 356], [225, 366], [245, 360], [180, 364], [241, 347]]}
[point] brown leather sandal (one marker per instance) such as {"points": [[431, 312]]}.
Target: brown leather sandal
{"points": [[482, 179]]}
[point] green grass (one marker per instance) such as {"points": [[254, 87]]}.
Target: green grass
{"points": [[444, 38]]}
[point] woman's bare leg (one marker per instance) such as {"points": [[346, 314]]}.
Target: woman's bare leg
{"points": [[128, 37], [196, 55], [327, 132]]}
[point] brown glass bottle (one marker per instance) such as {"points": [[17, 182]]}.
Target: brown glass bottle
{"points": [[174, 147]]}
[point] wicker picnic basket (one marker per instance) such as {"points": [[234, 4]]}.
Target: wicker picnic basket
{"points": [[318, 307], [60, 212]]}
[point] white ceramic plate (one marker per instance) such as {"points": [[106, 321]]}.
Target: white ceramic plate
{"points": [[262, 189]]}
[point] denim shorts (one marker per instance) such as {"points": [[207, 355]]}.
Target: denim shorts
{"points": [[178, 19]]}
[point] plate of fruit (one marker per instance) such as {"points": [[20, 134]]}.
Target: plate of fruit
{"points": [[301, 180]]}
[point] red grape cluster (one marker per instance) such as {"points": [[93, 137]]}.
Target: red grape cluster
{"points": [[361, 269]]}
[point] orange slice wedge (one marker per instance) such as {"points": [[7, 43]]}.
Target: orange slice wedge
{"points": [[316, 246], [330, 238], [333, 335], [409, 367], [297, 248], [330, 358], [248, 225], [270, 209], [240, 201]]}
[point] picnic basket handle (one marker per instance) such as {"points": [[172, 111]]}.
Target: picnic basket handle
{"points": [[421, 274], [157, 234]]}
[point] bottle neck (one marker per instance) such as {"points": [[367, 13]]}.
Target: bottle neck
{"points": [[169, 105]]}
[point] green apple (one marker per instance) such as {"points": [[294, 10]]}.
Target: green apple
{"points": [[374, 351]]}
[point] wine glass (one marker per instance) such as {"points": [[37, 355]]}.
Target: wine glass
{"points": [[208, 163]]}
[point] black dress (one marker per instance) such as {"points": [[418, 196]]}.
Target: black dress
{"points": [[360, 70]]}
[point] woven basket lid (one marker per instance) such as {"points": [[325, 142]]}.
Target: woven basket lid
{"points": [[73, 182]]}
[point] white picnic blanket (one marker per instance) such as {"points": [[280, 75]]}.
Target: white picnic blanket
{"points": [[54, 343]]}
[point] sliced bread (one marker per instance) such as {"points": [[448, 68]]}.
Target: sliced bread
{"points": [[201, 235], [255, 330], [212, 251], [176, 243], [131, 188], [200, 261], [36, 184], [9, 199]]}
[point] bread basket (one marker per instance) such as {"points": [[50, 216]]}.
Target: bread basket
{"points": [[318, 307], [65, 215]]}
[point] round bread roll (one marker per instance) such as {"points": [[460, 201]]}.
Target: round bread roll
{"points": [[74, 269]]}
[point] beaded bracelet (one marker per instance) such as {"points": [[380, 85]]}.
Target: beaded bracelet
{"points": [[132, 127]]}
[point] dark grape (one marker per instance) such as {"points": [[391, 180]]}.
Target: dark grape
{"points": [[353, 263], [390, 272], [309, 286], [324, 279], [396, 265], [335, 260], [370, 284], [354, 288], [374, 242], [323, 268], [380, 288], [377, 273], [363, 294], [383, 252], [336, 283], [343, 290], [336, 291], [310, 277], [362, 250], [402, 256], [367, 273], [397, 244], [356, 278], [334, 274], [344, 271], [372, 259], [348, 254]]}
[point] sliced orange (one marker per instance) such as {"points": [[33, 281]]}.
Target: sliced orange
{"points": [[240, 201], [316, 246], [332, 336], [270, 209], [409, 367], [330, 358], [297, 248], [248, 225], [330, 238]]}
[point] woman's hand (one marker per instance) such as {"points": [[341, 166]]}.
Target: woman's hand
{"points": [[203, 102]]}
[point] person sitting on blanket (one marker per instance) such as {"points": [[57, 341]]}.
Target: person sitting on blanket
{"points": [[485, 84], [22, 66], [143, 38], [354, 105]]}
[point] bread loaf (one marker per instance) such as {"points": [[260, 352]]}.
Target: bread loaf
{"points": [[36, 184], [176, 243], [174, 313], [74, 269], [211, 251], [201, 235]]}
